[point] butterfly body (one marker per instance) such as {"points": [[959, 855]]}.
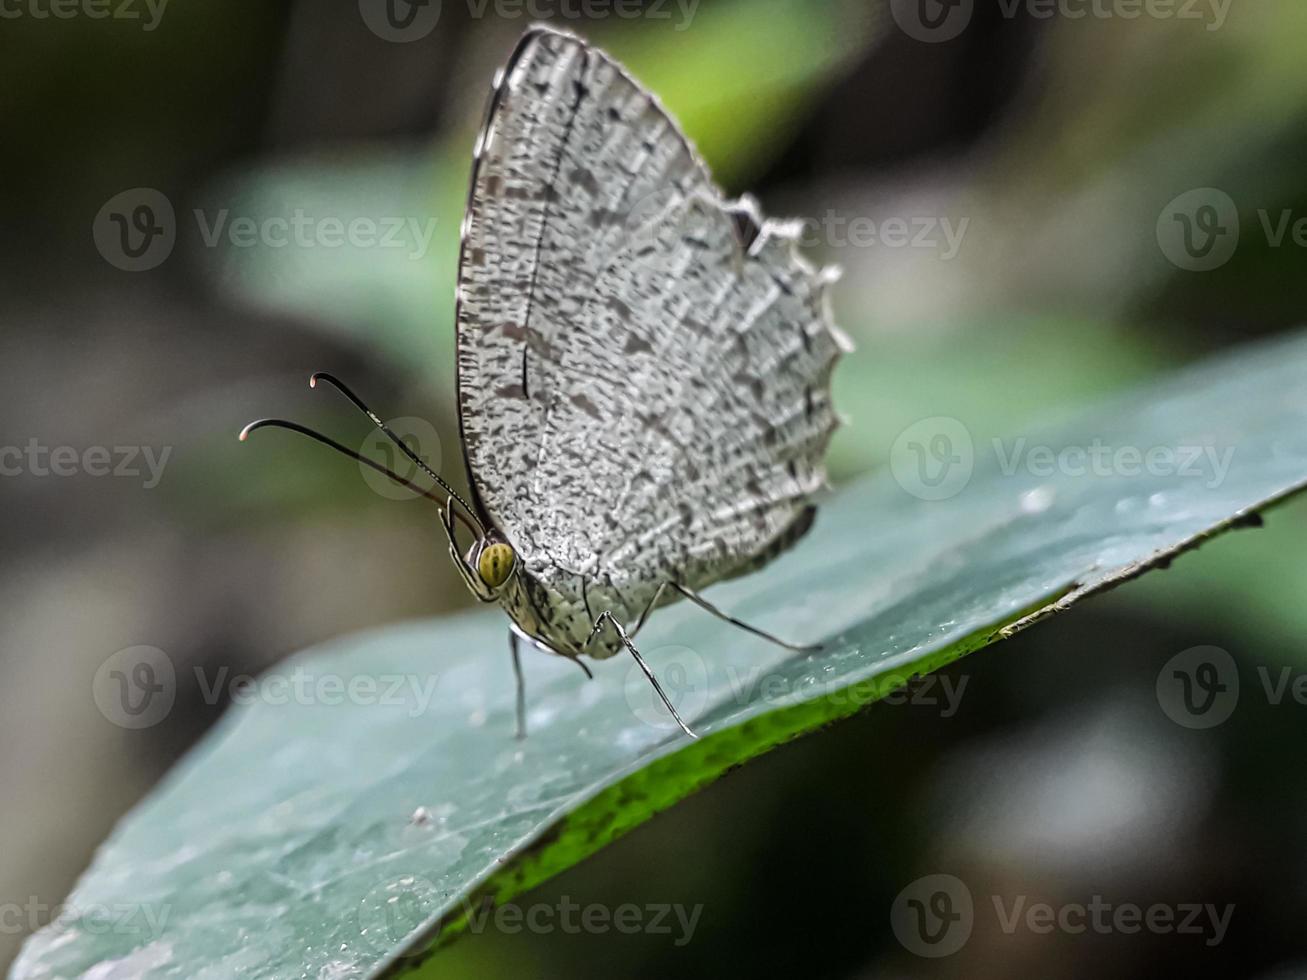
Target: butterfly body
{"points": [[558, 609]]}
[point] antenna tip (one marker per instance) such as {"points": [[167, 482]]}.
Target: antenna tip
{"points": [[245, 432], [313, 380]]}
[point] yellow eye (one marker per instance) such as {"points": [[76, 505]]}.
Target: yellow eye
{"points": [[495, 564]]}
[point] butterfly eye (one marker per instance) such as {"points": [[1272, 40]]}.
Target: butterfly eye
{"points": [[495, 564]]}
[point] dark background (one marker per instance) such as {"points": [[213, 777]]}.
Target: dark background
{"points": [[1060, 140]]}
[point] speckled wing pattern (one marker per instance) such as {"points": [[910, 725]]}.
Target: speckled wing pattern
{"points": [[644, 367]]}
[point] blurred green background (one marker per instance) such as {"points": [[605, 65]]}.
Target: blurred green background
{"points": [[1050, 149]]}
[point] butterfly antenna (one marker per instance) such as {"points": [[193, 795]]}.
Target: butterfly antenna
{"points": [[345, 450], [340, 386]]}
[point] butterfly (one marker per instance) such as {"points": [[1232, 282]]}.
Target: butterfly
{"points": [[644, 367]]}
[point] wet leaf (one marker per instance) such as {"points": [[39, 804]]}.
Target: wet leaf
{"points": [[372, 795]]}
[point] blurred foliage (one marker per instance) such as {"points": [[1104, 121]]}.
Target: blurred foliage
{"points": [[1059, 140], [734, 100]]}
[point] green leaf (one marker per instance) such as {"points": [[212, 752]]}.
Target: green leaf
{"points": [[324, 839]]}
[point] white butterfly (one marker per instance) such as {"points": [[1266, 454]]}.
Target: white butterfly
{"points": [[643, 366]]}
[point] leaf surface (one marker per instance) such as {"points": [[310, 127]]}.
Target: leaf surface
{"points": [[336, 835]]}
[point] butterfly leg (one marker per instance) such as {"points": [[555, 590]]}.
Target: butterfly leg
{"points": [[514, 647], [707, 606], [639, 623], [608, 617], [470, 576], [515, 638]]}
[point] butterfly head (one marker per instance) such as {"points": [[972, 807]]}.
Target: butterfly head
{"points": [[495, 564], [488, 567]]}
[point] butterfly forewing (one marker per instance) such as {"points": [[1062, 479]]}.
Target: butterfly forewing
{"points": [[643, 367]]}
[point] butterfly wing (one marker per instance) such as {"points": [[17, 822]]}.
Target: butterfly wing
{"points": [[644, 368]]}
